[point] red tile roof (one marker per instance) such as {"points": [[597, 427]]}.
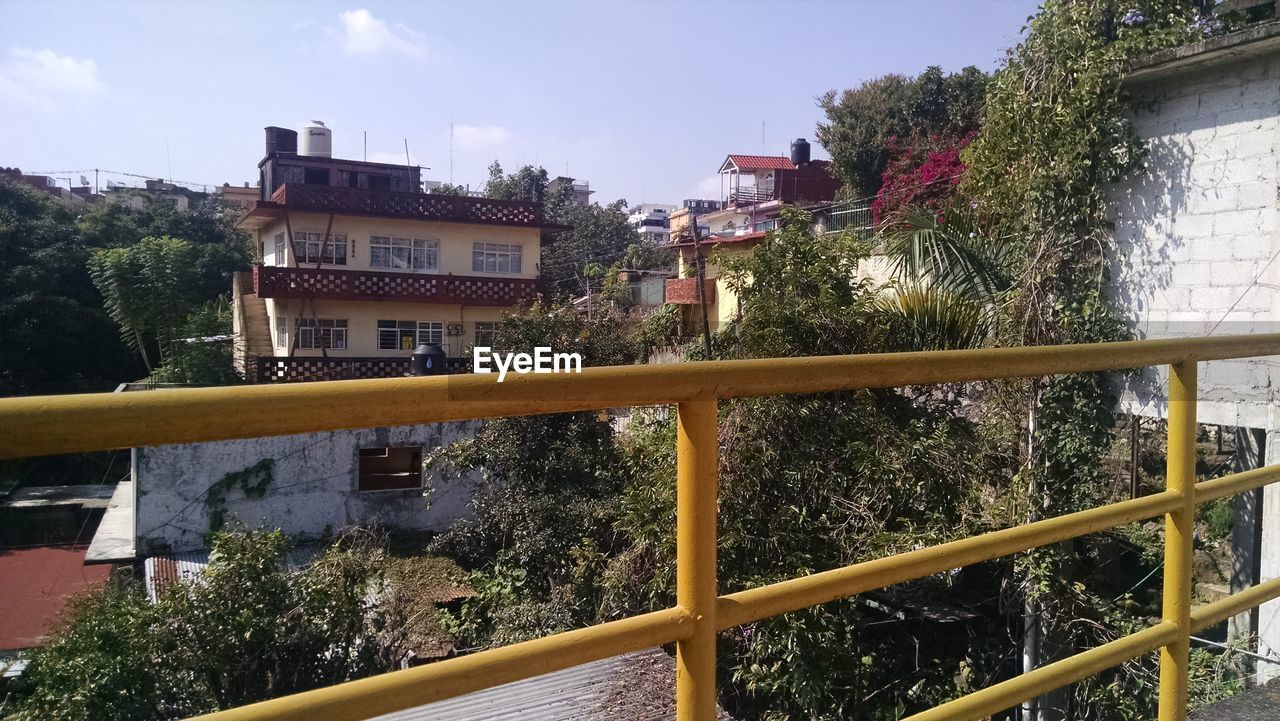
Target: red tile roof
{"points": [[752, 163], [38, 583]]}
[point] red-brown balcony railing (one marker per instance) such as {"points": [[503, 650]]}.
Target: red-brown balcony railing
{"points": [[684, 291], [415, 206], [337, 284], [282, 369]]}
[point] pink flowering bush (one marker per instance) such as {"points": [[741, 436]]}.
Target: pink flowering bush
{"points": [[922, 172]]}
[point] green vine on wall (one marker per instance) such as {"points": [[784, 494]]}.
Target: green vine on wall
{"points": [[253, 481]]}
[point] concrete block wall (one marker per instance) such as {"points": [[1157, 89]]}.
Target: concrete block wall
{"points": [[1196, 231], [313, 491]]}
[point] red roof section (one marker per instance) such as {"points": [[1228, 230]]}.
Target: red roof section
{"points": [[38, 583], [752, 163]]}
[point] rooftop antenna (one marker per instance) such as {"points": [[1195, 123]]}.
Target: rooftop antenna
{"points": [[366, 146], [450, 149], [407, 163], [169, 160], [764, 146]]}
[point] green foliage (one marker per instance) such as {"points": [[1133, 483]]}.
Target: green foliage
{"points": [[863, 122], [528, 184], [220, 248], [247, 630], [252, 481], [550, 482], [58, 337], [149, 289], [600, 234], [194, 358]]}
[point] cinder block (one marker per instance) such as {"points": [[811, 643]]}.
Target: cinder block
{"points": [[1212, 299], [1223, 98], [1252, 246]]}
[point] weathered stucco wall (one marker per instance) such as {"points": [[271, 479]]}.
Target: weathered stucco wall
{"points": [[313, 490], [1196, 232]]}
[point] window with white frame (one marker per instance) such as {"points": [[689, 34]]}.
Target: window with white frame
{"points": [[277, 251], [312, 248], [485, 334], [409, 334], [282, 332], [316, 333], [404, 253], [495, 258]]}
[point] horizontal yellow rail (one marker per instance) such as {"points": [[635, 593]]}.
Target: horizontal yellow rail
{"points": [[754, 604], [356, 700], [43, 425], [64, 424], [1006, 694]]}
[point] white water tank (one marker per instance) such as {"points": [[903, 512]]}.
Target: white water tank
{"points": [[316, 141]]}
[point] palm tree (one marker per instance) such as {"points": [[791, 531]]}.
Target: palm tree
{"points": [[949, 279]]}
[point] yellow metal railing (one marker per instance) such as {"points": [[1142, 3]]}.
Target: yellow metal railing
{"points": [[64, 424]]}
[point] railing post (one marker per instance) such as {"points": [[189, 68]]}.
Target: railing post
{"points": [[1178, 529], [696, 491]]}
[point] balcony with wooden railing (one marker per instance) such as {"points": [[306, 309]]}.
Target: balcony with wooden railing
{"points": [[297, 369], [410, 206], [36, 426], [342, 284]]}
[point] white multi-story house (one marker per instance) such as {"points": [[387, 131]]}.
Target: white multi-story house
{"points": [[652, 221]]}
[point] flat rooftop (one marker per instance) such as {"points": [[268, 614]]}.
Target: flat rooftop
{"points": [[38, 584]]}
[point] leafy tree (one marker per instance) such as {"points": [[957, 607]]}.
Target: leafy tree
{"points": [[220, 248], [149, 289], [863, 123], [448, 189], [528, 184], [598, 234], [58, 337], [550, 482], [195, 358]]}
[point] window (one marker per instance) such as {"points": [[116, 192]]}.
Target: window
{"points": [[309, 246], [404, 253], [277, 255], [485, 334], [390, 469], [409, 334], [282, 328], [495, 258], [319, 333], [316, 176], [379, 182]]}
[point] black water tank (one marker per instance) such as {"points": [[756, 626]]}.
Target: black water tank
{"points": [[800, 151], [427, 360], [281, 140]]}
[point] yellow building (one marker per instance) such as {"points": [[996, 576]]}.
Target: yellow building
{"points": [[358, 266]]}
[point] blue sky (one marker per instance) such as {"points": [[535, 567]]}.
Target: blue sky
{"points": [[643, 99]]}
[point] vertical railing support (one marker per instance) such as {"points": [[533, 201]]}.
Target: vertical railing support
{"points": [[696, 491], [1178, 529]]}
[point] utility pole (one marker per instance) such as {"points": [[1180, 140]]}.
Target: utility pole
{"points": [[700, 264]]}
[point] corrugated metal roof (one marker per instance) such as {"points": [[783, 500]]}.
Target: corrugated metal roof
{"points": [[752, 163], [162, 570], [637, 686]]}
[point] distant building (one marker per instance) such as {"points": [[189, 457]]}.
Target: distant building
{"points": [[580, 190], [178, 197], [240, 199], [359, 266], [756, 189], [72, 195], [651, 221], [678, 221]]}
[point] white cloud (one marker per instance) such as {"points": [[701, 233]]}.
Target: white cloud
{"points": [[363, 34], [480, 137], [40, 78]]}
